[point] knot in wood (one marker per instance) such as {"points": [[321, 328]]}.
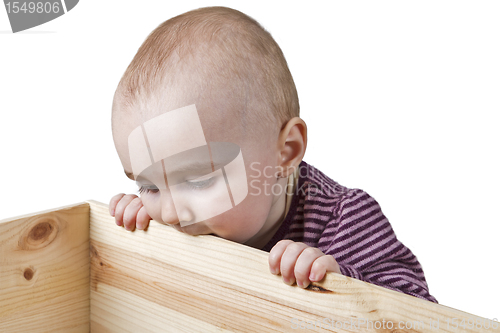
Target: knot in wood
{"points": [[28, 274], [41, 231]]}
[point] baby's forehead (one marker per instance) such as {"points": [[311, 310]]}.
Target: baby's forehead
{"points": [[222, 112], [184, 128], [182, 144], [178, 121]]}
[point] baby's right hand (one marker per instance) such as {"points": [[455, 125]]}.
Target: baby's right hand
{"points": [[129, 211]]}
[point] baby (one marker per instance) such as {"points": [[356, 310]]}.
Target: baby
{"points": [[206, 121]]}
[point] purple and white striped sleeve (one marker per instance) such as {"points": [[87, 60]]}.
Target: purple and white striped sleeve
{"points": [[365, 246]]}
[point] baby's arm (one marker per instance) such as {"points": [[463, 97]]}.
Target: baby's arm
{"points": [[129, 211], [366, 247], [298, 262]]}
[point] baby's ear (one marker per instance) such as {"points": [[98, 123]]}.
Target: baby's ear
{"points": [[292, 143]]}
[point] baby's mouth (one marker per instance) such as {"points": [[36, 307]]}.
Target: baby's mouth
{"points": [[192, 229], [185, 230], [177, 227]]}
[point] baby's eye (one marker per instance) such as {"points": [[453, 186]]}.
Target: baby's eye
{"points": [[201, 184], [148, 189]]}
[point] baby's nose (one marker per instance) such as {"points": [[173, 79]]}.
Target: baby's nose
{"points": [[176, 211], [169, 216]]}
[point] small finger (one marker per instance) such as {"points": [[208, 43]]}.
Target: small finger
{"points": [[275, 255], [303, 265], [120, 207], [130, 214], [289, 259], [322, 265], [142, 219], [112, 203]]}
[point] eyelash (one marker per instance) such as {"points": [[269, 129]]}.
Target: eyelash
{"points": [[204, 184], [144, 189]]}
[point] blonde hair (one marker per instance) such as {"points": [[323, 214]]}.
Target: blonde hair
{"points": [[230, 49]]}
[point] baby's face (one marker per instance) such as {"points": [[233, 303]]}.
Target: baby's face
{"points": [[201, 176]]}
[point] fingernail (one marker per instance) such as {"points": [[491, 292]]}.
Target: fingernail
{"points": [[113, 212], [119, 223], [312, 277], [300, 284]]}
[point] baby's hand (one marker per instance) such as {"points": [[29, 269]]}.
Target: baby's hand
{"points": [[298, 262], [129, 211]]}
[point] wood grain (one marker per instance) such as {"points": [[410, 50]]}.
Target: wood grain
{"points": [[161, 280], [44, 271]]}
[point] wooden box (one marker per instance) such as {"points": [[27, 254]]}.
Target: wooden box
{"points": [[72, 269]]}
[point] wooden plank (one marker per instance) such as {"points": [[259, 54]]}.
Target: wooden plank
{"points": [[45, 271], [163, 280]]}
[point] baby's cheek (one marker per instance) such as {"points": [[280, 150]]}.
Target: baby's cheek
{"points": [[227, 225], [250, 216], [152, 206]]}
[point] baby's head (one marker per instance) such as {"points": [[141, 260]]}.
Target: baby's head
{"points": [[225, 66]]}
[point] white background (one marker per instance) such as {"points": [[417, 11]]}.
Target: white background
{"points": [[401, 100]]}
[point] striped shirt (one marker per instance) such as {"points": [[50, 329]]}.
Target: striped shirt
{"points": [[349, 225]]}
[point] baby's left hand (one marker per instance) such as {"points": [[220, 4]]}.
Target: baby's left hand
{"points": [[298, 262]]}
